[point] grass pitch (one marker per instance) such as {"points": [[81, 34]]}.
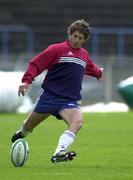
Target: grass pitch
{"points": [[104, 147]]}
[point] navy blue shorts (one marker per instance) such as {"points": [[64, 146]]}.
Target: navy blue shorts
{"points": [[49, 103]]}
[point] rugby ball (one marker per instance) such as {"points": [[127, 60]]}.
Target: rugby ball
{"points": [[19, 152]]}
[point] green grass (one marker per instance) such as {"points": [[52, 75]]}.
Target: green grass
{"points": [[104, 146]]}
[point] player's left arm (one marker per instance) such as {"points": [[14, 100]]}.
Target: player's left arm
{"points": [[102, 76], [93, 70]]}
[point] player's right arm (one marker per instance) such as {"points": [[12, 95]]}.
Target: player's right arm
{"points": [[39, 63], [23, 88], [36, 66]]}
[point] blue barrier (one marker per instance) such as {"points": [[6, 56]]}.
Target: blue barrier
{"points": [[6, 30], [120, 32], [97, 31]]}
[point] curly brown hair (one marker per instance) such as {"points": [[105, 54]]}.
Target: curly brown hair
{"points": [[82, 26]]}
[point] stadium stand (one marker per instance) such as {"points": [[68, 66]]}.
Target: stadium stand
{"points": [[49, 19]]}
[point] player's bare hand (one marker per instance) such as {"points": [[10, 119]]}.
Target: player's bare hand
{"points": [[23, 88], [102, 77]]}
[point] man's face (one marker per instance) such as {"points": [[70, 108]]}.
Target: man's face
{"points": [[76, 39]]}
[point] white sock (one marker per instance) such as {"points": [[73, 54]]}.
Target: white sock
{"points": [[23, 131], [65, 140]]}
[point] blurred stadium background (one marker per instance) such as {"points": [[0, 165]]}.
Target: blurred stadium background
{"points": [[28, 27]]}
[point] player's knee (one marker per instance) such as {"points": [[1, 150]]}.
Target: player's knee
{"points": [[78, 123]]}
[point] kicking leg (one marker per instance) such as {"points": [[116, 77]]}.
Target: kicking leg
{"points": [[29, 124]]}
